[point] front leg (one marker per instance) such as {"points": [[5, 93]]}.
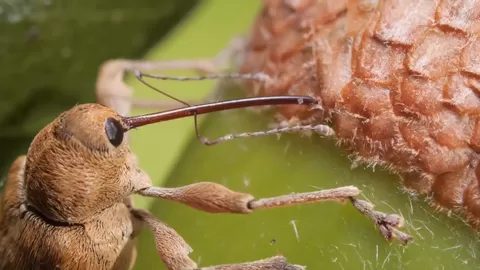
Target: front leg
{"points": [[215, 198]]}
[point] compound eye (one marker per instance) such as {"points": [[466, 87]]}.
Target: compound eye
{"points": [[114, 131]]}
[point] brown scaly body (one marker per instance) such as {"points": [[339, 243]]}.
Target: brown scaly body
{"points": [[398, 81]]}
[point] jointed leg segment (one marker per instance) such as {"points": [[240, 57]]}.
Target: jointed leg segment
{"points": [[215, 198]]}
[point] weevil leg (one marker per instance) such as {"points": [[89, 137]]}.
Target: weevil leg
{"points": [[113, 92], [215, 198], [174, 250]]}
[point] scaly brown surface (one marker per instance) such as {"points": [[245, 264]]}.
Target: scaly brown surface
{"points": [[398, 81]]}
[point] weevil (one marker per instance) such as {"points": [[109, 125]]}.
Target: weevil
{"points": [[67, 202]]}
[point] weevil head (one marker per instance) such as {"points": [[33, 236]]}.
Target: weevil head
{"points": [[81, 164]]}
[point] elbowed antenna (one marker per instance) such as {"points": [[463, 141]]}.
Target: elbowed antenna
{"points": [[142, 120]]}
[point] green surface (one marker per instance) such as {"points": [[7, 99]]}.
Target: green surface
{"points": [[330, 235]]}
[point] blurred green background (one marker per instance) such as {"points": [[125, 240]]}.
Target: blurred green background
{"points": [[51, 51]]}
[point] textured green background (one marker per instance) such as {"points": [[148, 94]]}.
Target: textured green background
{"points": [[331, 236]]}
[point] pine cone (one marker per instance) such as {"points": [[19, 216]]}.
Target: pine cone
{"points": [[398, 80]]}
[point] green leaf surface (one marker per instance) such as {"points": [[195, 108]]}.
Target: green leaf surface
{"points": [[322, 236]]}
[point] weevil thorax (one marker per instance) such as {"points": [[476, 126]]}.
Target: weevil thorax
{"points": [[80, 165]]}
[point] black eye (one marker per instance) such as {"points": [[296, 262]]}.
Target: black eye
{"points": [[114, 131]]}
